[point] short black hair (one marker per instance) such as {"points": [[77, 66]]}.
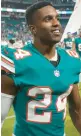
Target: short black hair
{"points": [[33, 8]]}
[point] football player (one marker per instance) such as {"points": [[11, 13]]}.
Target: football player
{"points": [[41, 78]]}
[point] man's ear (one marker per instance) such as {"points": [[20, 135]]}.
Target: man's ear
{"points": [[32, 29]]}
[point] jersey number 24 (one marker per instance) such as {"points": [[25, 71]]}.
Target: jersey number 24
{"points": [[46, 116]]}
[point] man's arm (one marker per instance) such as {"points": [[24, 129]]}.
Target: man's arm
{"points": [[73, 46], [75, 107], [8, 93], [63, 44]]}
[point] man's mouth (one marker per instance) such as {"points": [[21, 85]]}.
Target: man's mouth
{"points": [[56, 32]]}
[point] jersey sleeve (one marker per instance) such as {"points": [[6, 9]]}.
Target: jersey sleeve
{"points": [[7, 60], [13, 63], [7, 64]]}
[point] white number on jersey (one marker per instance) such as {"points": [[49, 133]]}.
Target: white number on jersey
{"points": [[20, 54], [62, 100], [45, 117], [79, 47], [69, 44]]}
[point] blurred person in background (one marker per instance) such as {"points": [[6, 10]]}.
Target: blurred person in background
{"points": [[68, 42], [77, 43]]}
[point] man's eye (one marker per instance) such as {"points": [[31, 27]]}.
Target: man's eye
{"points": [[47, 19]]}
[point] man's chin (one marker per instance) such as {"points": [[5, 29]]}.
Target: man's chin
{"points": [[57, 38]]}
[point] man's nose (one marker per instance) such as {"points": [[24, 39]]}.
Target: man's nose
{"points": [[56, 22]]}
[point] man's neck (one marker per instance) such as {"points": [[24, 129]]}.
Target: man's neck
{"points": [[47, 50]]}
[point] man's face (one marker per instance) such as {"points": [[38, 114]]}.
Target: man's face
{"points": [[47, 25], [69, 35]]}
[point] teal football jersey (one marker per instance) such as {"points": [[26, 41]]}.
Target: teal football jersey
{"points": [[68, 43], [78, 45], [40, 104]]}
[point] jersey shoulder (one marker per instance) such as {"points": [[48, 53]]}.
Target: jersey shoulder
{"points": [[72, 53], [12, 59], [71, 59], [69, 55], [7, 60], [8, 52]]}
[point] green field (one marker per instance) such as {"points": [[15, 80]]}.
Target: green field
{"points": [[8, 125]]}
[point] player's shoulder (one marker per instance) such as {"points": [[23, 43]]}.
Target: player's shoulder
{"points": [[7, 59], [71, 57], [70, 54], [20, 54], [11, 59], [8, 52]]}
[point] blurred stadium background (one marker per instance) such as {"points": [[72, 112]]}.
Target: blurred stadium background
{"points": [[13, 20], [13, 26]]}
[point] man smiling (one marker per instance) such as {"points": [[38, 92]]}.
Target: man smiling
{"points": [[41, 78]]}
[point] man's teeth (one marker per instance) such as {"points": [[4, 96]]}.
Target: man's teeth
{"points": [[57, 31]]}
